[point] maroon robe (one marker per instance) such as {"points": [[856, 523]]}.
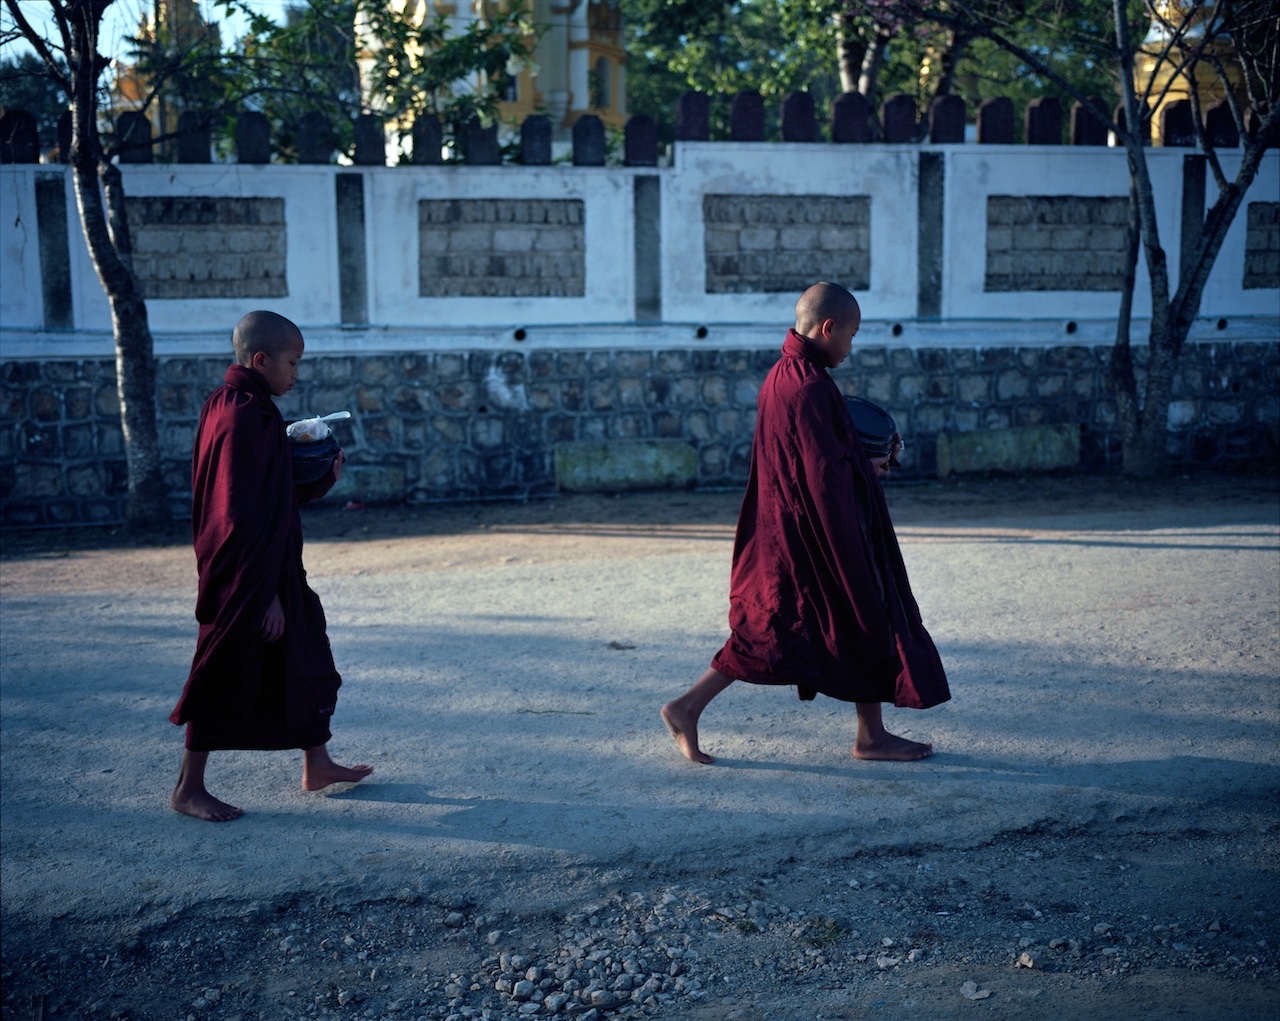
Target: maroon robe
{"points": [[819, 596], [243, 692]]}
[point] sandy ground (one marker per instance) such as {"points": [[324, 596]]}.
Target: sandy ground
{"points": [[1114, 659]]}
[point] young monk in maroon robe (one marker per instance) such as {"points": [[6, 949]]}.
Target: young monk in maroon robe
{"points": [[263, 675], [819, 595]]}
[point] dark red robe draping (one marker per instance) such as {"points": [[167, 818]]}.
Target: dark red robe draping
{"points": [[243, 692], [819, 596]]}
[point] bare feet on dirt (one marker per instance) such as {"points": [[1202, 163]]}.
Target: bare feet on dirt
{"points": [[319, 771], [203, 805], [891, 748], [685, 733]]}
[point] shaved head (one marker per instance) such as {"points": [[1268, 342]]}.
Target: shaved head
{"points": [[822, 302], [267, 332]]}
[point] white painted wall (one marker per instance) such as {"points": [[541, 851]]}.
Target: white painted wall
{"points": [[1223, 295], [21, 299], [603, 317]]}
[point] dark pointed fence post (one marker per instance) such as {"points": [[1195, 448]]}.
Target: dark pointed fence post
{"points": [[851, 119], [898, 115], [1042, 123], [428, 140], [481, 144], [371, 141], [588, 141], [995, 121], [133, 137], [535, 141], [1221, 126], [253, 137], [640, 142], [193, 138], [746, 117], [315, 139], [693, 117], [1177, 124], [799, 121], [1122, 119], [1087, 127], [19, 138], [946, 120]]}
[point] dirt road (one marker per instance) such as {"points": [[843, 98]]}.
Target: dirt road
{"points": [[1095, 838]]}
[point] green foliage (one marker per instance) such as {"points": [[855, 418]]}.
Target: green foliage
{"points": [[400, 71], [776, 46], [24, 85], [722, 47], [184, 71], [1079, 39], [314, 60], [287, 69]]}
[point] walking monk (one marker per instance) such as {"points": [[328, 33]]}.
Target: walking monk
{"points": [[263, 675], [819, 595]]}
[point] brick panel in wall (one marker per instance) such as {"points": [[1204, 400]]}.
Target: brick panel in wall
{"points": [[1262, 246], [1055, 243], [202, 247], [501, 248], [782, 243]]}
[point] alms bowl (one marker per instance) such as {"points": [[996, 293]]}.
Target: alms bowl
{"points": [[312, 458]]}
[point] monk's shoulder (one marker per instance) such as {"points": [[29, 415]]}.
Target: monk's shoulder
{"points": [[239, 408], [234, 425]]}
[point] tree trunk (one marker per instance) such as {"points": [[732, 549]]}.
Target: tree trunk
{"points": [[851, 51], [135, 373], [869, 79], [950, 62], [1123, 378], [110, 249], [1144, 419], [1145, 429]]}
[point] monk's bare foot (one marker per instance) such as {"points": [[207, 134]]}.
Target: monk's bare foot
{"points": [[203, 805], [685, 733], [891, 748], [321, 775]]}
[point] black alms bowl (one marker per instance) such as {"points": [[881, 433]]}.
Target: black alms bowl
{"points": [[876, 427], [312, 458]]}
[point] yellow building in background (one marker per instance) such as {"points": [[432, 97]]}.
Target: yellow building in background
{"points": [[178, 24], [578, 66], [1156, 64]]}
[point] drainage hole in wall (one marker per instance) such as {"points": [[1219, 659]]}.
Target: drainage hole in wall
{"points": [[520, 334], [1071, 326], [1222, 324], [897, 329], [700, 332]]}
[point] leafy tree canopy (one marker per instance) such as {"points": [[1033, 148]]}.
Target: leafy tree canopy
{"points": [[25, 86], [777, 46], [340, 58], [317, 60]]}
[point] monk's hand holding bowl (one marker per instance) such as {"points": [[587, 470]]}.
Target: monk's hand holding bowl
{"points": [[273, 621]]}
